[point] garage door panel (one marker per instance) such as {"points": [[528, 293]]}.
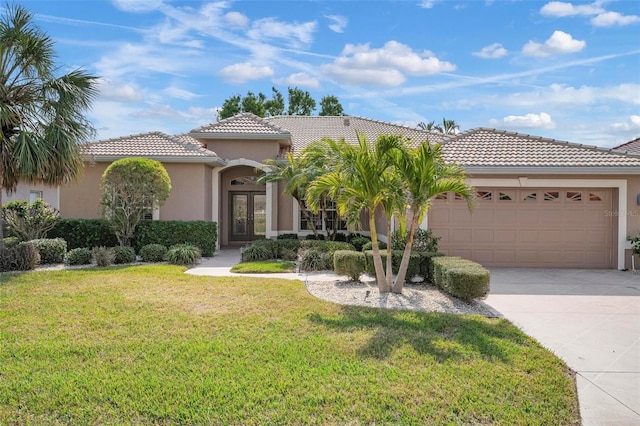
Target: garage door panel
{"points": [[553, 227]]}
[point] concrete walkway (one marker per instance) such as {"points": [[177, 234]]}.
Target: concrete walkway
{"points": [[589, 318]]}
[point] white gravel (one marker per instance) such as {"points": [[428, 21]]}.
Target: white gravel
{"points": [[414, 297]]}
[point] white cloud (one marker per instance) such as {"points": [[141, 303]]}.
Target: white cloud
{"points": [[236, 19], [427, 4], [632, 123], [385, 66], [120, 92], [537, 121], [561, 9], [493, 51], [609, 19], [176, 92], [239, 73], [338, 24], [301, 79], [163, 112], [559, 43], [138, 5], [294, 34]]}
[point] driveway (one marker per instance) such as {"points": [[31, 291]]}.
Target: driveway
{"points": [[590, 319]]}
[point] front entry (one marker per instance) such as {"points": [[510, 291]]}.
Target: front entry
{"points": [[248, 214]]}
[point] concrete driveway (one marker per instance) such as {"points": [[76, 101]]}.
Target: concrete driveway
{"points": [[590, 319]]}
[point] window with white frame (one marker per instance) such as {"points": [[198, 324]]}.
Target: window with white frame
{"points": [[310, 220], [34, 195]]}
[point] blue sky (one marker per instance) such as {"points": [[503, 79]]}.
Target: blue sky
{"points": [[565, 70]]}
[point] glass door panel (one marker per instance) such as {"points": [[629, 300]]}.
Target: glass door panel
{"points": [[239, 218], [259, 202]]}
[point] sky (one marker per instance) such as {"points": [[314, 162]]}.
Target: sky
{"points": [[563, 70]]}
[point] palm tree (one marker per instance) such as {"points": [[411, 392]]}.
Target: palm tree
{"points": [[41, 115], [362, 180], [448, 127], [425, 176]]}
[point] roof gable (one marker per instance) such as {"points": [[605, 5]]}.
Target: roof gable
{"points": [[491, 148], [307, 129], [156, 145], [632, 147], [241, 126]]}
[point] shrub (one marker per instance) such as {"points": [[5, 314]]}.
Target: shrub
{"points": [[153, 253], [270, 245], [52, 250], [84, 233], [29, 221], [183, 254], [350, 263], [21, 257], [104, 256], [78, 256], [11, 241], [423, 240], [288, 236], [288, 249], [199, 233], [256, 252], [369, 246], [396, 258], [426, 270], [314, 260], [123, 254], [359, 242], [340, 237], [314, 237], [329, 247], [461, 278]]}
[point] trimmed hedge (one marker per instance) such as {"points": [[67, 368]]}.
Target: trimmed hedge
{"points": [[52, 250], [419, 263], [369, 245], [123, 255], [350, 263], [78, 256], [327, 247], [84, 233], [153, 253], [98, 233], [461, 278], [199, 233]]}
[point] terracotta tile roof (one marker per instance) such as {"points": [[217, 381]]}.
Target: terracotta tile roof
{"points": [[631, 146], [493, 148], [307, 129], [152, 144], [246, 124]]}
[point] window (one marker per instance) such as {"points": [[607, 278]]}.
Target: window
{"points": [[443, 196], [317, 220], [594, 197], [484, 195], [550, 196], [574, 196], [531, 197], [34, 195], [504, 197], [244, 180]]}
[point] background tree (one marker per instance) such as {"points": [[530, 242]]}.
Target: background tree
{"points": [[131, 188], [230, 107], [42, 118], [300, 102], [330, 105], [275, 105], [448, 127], [254, 104]]}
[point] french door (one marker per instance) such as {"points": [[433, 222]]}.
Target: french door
{"points": [[247, 216]]}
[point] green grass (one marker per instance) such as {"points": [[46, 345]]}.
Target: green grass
{"points": [[263, 267], [150, 345]]}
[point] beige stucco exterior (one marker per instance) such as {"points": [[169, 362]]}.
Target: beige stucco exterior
{"points": [[24, 192], [257, 150]]}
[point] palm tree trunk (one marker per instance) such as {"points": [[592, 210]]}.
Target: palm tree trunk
{"points": [[377, 260], [1, 212], [389, 256], [406, 256]]}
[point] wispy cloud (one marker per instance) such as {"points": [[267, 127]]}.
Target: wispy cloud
{"points": [[82, 22], [301, 79], [600, 16], [239, 73], [559, 43], [533, 121], [338, 23], [178, 93], [493, 51]]}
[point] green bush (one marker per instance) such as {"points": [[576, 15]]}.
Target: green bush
{"points": [[288, 249], [84, 233], [78, 256], [199, 233], [396, 258], [153, 253], [315, 260], [350, 263], [423, 240], [29, 221], [369, 246], [461, 278], [11, 241], [328, 247], [359, 242], [21, 257], [256, 253], [104, 256], [184, 254], [123, 254], [426, 270], [288, 236], [52, 250]]}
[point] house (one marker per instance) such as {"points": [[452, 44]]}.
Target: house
{"points": [[632, 147], [541, 202]]}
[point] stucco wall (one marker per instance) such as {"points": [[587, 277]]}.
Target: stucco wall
{"points": [[257, 150], [188, 199], [286, 204], [49, 194]]}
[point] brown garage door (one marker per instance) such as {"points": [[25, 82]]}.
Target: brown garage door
{"points": [[565, 228]]}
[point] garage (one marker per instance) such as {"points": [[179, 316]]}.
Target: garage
{"points": [[529, 227]]}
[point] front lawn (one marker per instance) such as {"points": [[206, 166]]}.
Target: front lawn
{"points": [[263, 267], [149, 344]]}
